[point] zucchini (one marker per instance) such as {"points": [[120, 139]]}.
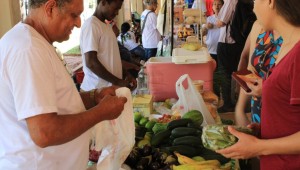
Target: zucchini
{"points": [[178, 123], [208, 154], [185, 131], [194, 125], [160, 137], [184, 150], [188, 140]]}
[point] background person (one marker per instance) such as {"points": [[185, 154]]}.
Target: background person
{"points": [[129, 62], [228, 53], [213, 32], [150, 34], [127, 39], [44, 122], [101, 60], [265, 46]]}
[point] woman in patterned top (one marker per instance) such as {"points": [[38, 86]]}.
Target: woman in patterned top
{"points": [[263, 59], [265, 51], [278, 134]]}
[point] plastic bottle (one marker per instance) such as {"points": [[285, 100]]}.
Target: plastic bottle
{"points": [[142, 82]]}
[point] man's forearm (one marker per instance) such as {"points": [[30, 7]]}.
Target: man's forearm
{"points": [[103, 73], [50, 129]]}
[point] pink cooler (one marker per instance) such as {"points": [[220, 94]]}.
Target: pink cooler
{"points": [[163, 74]]}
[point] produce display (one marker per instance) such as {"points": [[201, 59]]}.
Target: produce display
{"points": [[216, 137], [173, 143]]}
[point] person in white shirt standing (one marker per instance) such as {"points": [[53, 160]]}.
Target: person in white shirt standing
{"points": [[44, 123], [213, 32], [150, 33], [101, 59]]}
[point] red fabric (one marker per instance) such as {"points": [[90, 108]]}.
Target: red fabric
{"points": [[79, 76], [281, 108], [209, 9]]}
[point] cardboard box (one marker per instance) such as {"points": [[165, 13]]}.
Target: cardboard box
{"points": [[143, 104]]}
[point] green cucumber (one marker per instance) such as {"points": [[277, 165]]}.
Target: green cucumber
{"points": [[178, 123], [160, 137], [188, 140], [185, 131], [194, 125]]}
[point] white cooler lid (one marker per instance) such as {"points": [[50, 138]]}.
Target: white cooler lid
{"points": [[183, 56]]}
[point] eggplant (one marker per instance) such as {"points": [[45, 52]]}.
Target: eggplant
{"points": [[147, 150], [144, 162], [167, 167], [154, 166], [155, 154], [133, 157]]}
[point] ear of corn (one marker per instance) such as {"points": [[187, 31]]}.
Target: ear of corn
{"points": [[184, 159], [195, 167]]}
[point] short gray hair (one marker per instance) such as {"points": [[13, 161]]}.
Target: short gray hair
{"points": [[38, 3], [149, 2]]}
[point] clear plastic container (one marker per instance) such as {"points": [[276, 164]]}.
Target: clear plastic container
{"points": [[142, 82]]}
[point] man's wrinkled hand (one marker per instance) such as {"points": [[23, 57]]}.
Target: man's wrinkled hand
{"points": [[102, 92], [111, 107]]}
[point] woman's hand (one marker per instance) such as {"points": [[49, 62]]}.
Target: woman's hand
{"points": [[255, 128], [255, 84], [246, 147]]}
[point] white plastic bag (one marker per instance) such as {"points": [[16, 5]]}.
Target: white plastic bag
{"points": [[116, 138], [190, 99]]}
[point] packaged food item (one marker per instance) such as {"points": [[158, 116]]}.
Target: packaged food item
{"points": [[199, 85], [210, 97], [143, 104]]}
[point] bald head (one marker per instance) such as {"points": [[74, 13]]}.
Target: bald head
{"points": [[39, 3]]}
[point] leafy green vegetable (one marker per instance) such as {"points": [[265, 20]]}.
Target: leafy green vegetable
{"points": [[217, 137]]}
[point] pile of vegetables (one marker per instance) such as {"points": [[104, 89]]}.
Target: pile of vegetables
{"points": [[150, 158], [157, 141]]}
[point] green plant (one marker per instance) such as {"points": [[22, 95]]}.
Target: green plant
{"points": [[74, 50]]}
